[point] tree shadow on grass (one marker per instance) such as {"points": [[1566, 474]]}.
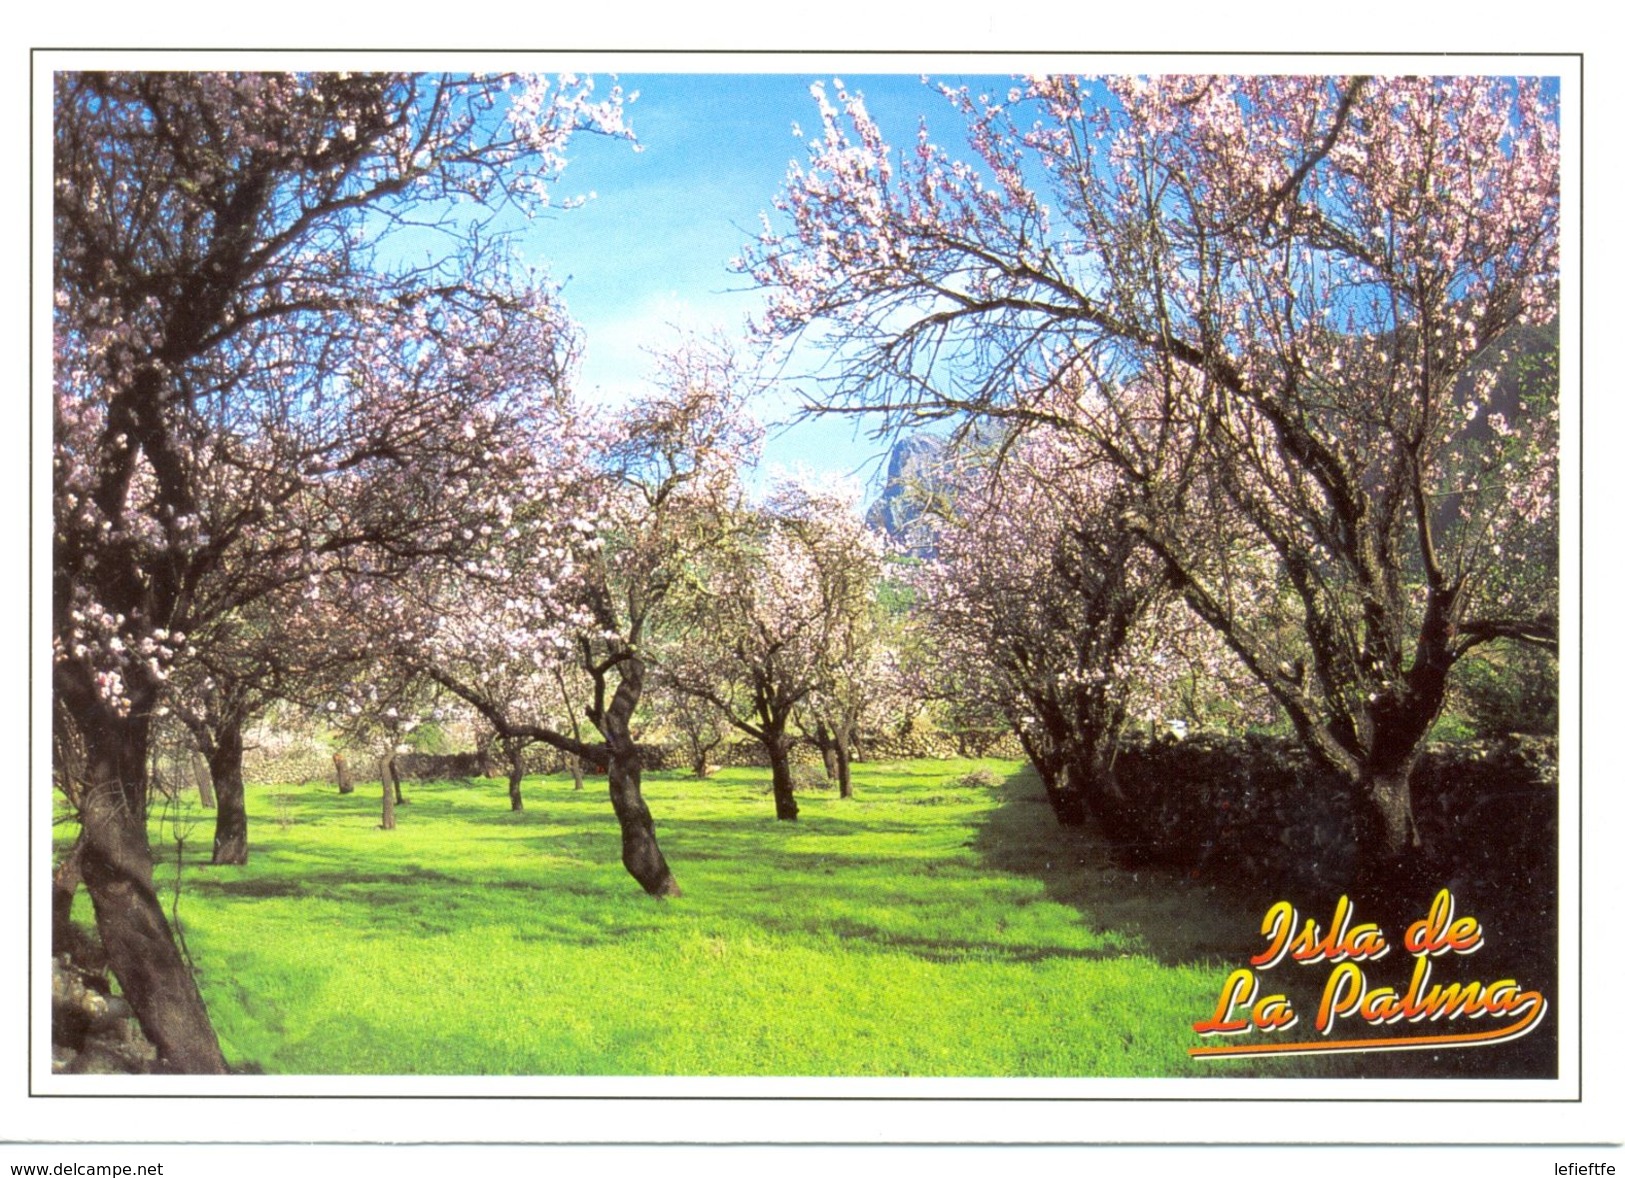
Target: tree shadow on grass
{"points": [[1169, 916], [551, 872], [878, 883], [392, 901]]}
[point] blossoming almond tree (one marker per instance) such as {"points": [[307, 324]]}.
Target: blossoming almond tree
{"points": [[1313, 275], [236, 340], [698, 724], [1060, 617], [869, 683], [376, 707], [275, 649], [580, 580], [776, 612]]}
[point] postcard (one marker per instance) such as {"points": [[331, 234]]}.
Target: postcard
{"points": [[711, 597]]}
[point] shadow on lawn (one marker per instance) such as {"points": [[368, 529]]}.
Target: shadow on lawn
{"points": [[867, 877], [1175, 920], [551, 873], [390, 901]]}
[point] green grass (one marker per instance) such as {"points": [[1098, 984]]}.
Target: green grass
{"points": [[921, 928]]}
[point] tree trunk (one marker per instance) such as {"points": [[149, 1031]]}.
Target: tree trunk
{"points": [[640, 853], [1066, 801], [516, 775], [699, 753], [1385, 834], [1096, 780], [575, 772], [1390, 797], [784, 790], [843, 763], [341, 768], [826, 749], [231, 818], [393, 768], [116, 862], [388, 822], [1385, 828], [205, 784]]}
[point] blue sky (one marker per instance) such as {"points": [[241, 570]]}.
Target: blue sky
{"points": [[652, 249]]}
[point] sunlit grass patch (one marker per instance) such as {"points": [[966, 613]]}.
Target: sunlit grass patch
{"points": [[921, 928]]}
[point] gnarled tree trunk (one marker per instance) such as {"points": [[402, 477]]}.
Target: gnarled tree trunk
{"points": [[116, 862], [640, 852], [701, 741], [1392, 823], [1095, 778], [341, 768], [1066, 800], [1386, 837]]}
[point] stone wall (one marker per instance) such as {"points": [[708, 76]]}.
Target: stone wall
{"points": [[1256, 810]]}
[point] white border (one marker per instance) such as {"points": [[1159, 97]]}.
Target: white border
{"points": [[976, 1111]]}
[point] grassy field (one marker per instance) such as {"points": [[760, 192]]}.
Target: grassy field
{"points": [[923, 928]]}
